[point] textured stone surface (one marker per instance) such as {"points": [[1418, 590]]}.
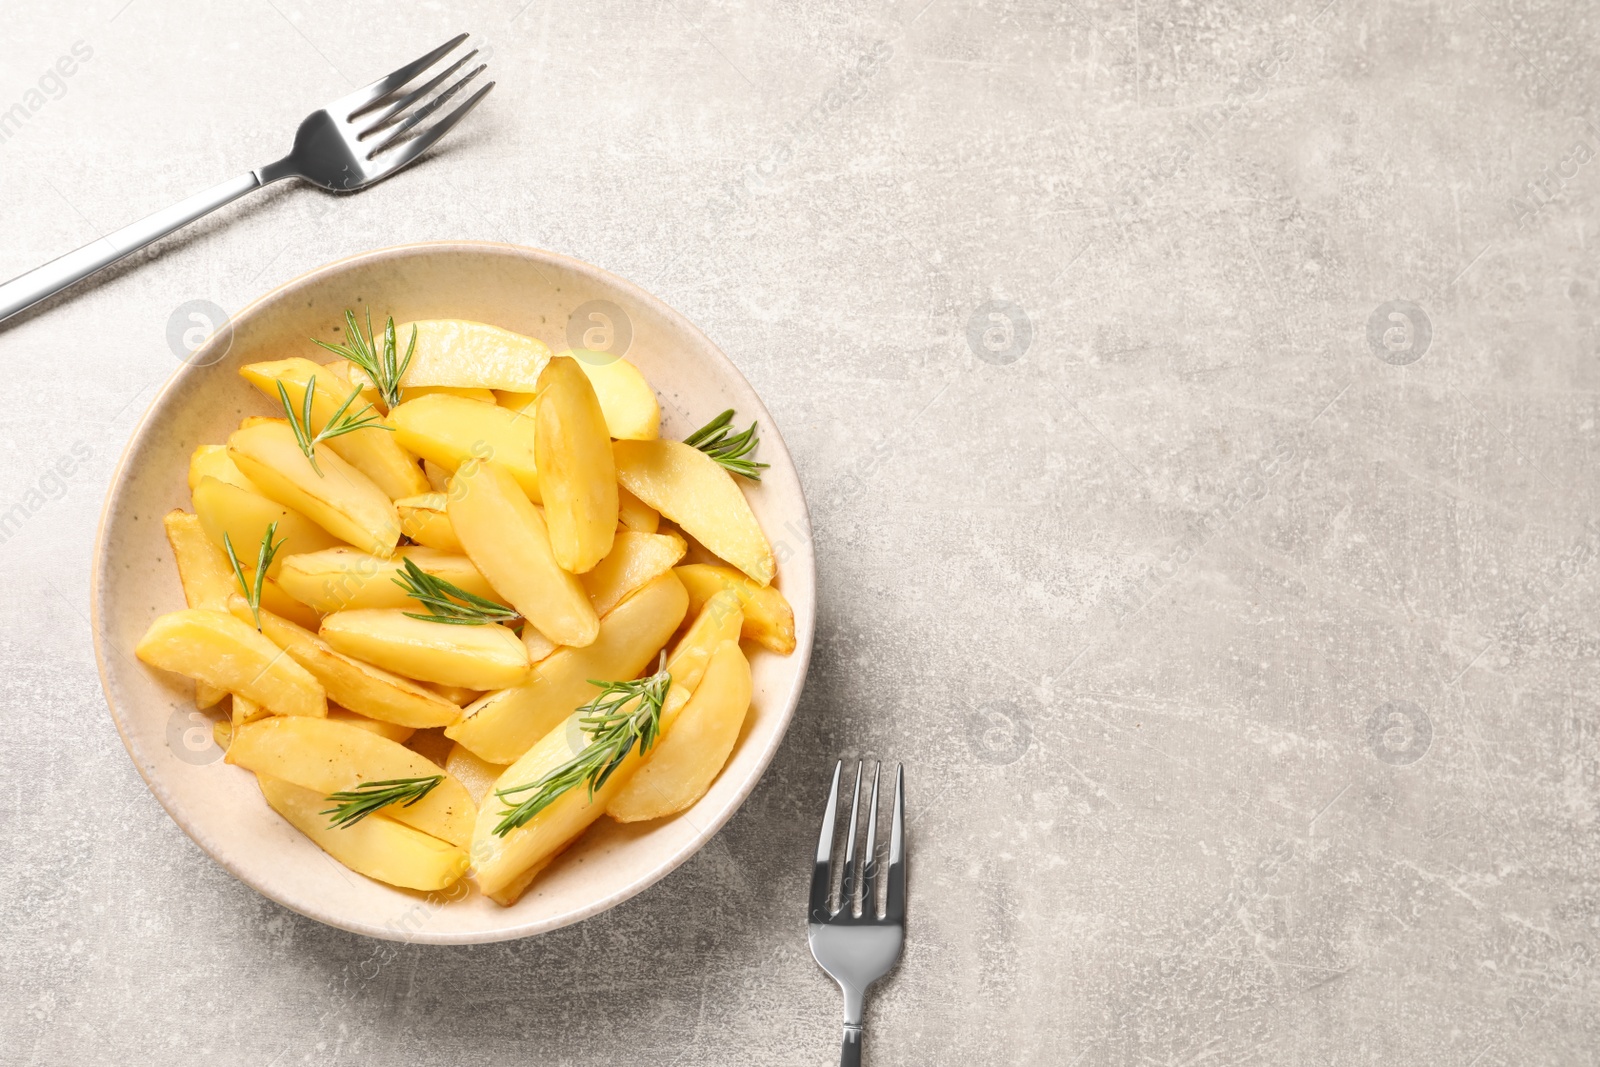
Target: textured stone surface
{"points": [[1243, 661]]}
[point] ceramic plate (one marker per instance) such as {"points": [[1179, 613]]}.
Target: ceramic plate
{"points": [[562, 302]]}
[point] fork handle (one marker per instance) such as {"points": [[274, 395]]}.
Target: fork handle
{"points": [[28, 289], [850, 1050]]}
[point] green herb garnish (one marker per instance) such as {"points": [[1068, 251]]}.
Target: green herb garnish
{"points": [[622, 713], [382, 368], [713, 439], [353, 805], [252, 591], [446, 602], [337, 426]]}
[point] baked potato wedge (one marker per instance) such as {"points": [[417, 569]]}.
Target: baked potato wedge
{"points": [[240, 516], [333, 494], [477, 657], [218, 649], [694, 746], [337, 579], [688, 487], [505, 536], [331, 757], [377, 846], [577, 475], [471, 355]]}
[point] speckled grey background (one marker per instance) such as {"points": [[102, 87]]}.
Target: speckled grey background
{"points": [[1197, 405]]}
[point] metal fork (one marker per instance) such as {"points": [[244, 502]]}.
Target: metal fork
{"points": [[858, 949], [331, 149]]}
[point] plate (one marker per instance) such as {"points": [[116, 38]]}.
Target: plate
{"points": [[566, 304]]}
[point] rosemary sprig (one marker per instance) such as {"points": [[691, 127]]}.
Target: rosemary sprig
{"points": [[622, 713], [715, 441], [252, 592], [382, 367], [337, 426], [353, 805], [446, 602]]}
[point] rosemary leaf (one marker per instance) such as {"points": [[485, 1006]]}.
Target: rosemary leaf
{"points": [[717, 440], [353, 805], [383, 367], [623, 713], [337, 426], [446, 602], [264, 556]]}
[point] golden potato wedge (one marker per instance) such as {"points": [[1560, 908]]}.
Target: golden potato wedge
{"points": [[372, 450], [246, 711], [331, 757], [691, 489], [477, 657], [216, 648], [243, 517], [635, 514], [768, 618], [635, 559], [213, 461], [222, 733], [424, 520], [203, 568], [451, 431], [393, 731], [361, 687], [694, 746], [506, 538], [476, 774], [501, 726], [337, 579], [471, 355], [577, 475], [340, 499], [377, 846]]}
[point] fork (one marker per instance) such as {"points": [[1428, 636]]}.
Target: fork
{"points": [[858, 949], [329, 151]]}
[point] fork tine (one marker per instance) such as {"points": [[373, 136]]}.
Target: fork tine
{"points": [[869, 868], [421, 143], [847, 888], [384, 114], [411, 120], [365, 97], [895, 900], [820, 882]]}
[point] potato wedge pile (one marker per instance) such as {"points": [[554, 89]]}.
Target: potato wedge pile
{"points": [[455, 599]]}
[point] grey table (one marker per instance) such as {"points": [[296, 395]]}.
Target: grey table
{"points": [[1197, 404]]}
